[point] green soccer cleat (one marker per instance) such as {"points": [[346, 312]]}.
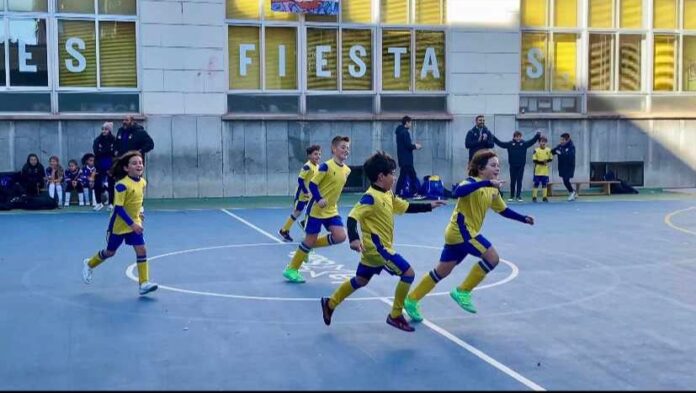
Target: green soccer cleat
{"points": [[412, 308], [463, 299], [293, 275]]}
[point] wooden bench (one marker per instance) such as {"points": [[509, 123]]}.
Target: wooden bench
{"points": [[606, 186]]}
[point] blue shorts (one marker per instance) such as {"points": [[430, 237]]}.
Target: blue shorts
{"points": [[543, 180], [396, 265], [132, 239], [314, 224], [300, 205], [476, 246]]}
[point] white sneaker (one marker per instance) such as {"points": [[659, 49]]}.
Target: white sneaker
{"points": [[511, 200], [520, 200], [572, 195], [147, 287], [67, 203], [110, 207], [82, 203], [86, 271], [98, 207]]}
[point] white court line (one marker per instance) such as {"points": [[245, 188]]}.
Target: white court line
{"points": [[261, 231], [437, 329], [668, 220]]}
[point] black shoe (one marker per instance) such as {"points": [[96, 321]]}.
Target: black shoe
{"points": [[400, 323], [534, 200], [545, 199], [326, 310], [285, 235]]}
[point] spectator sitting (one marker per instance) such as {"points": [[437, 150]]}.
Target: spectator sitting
{"points": [[73, 182], [32, 176], [54, 179], [89, 173]]}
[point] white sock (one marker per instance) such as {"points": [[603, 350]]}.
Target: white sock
{"points": [[81, 199], [51, 190], [67, 198]]}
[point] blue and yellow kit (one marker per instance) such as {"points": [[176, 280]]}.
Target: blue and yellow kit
{"points": [[541, 158], [328, 184], [468, 215], [128, 199]]}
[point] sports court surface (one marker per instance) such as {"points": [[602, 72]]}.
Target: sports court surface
{"points": [[599, 294]]}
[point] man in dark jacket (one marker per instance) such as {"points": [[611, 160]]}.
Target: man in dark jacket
{"points": [[404, 153], [103, 148], [132, 136], [478, 137], [517, 158], [566, 162]]}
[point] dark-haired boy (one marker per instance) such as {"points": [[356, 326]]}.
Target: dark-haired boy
{"points": [[375, 212], [517, 158], [302, 194]]}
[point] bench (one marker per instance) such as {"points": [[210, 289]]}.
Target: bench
{"points": [[606, 186]]}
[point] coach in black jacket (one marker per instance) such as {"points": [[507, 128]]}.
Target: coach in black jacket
{"points": [[478, 137], [404, 154], [517, 158], [132, 136]]}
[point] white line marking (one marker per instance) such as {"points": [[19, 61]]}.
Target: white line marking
{"points": [[130, 273], [440, 330], [261, 231], [668, 220]]}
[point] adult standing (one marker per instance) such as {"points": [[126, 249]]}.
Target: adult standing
{"points": [[103, 148], [566, 162], [132, 136], [404, 154], [479, 137]]}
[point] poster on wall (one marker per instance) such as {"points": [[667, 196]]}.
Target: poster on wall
{"points": [[312, 7]]}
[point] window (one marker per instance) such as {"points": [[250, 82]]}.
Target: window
{"points": [[689, 66], [534, 55], [2, 53], [601, 13], [690, 14], [601, 61], [665, 14], [322, 59], [75, 6], [664, 62], [564, 62], [340, 54], [117, 54], [28, 52], [533, 13], [28, 5], [631, 14], [77, 55], [566, 13], [245, 70]]}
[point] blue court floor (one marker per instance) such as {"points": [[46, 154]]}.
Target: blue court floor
{"points": [[597, 295]]}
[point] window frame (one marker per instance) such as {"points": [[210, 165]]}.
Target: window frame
{"points": [[52, 18], [375, 26]]}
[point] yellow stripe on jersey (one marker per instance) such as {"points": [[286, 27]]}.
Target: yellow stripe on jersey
{"points": [[375, 213], [128, 193], [330, 178], [468, 215], [306, 173], [544, 155]]}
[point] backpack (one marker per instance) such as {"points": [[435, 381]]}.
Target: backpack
{"points": [[432, 187]]}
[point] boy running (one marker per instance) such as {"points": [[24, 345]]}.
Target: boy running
{"points": [[302, 194]]}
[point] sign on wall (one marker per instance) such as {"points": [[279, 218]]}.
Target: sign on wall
{"points": [[312, 7]]}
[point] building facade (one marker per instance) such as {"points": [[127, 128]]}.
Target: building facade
{"points": [[233, 92]]}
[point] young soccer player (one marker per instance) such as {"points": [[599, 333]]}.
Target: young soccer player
{"points": [[326, 187], [89, 173], [542, 157], [126, 219], [73, 182], [375, 213], [54, 179], [302, 194], [479, 192]]}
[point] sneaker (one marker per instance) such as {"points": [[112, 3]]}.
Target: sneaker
{"points": [[520, 199], [98, 207], [534, 199], [147, 287], [326, 311], [418, 197], [400, 323], [572, 196], [511, 200], [110, 207], [81, 204], [545, 199], [293, 275], [285, 235], [463, 299], [86, 271], [67, 203], [412, 308]]}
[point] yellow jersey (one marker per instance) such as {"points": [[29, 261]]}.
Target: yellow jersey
{"points": [[468, 215], [308, 170], [542, 155], [328, 183], [375, 212], [129, 194]]}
